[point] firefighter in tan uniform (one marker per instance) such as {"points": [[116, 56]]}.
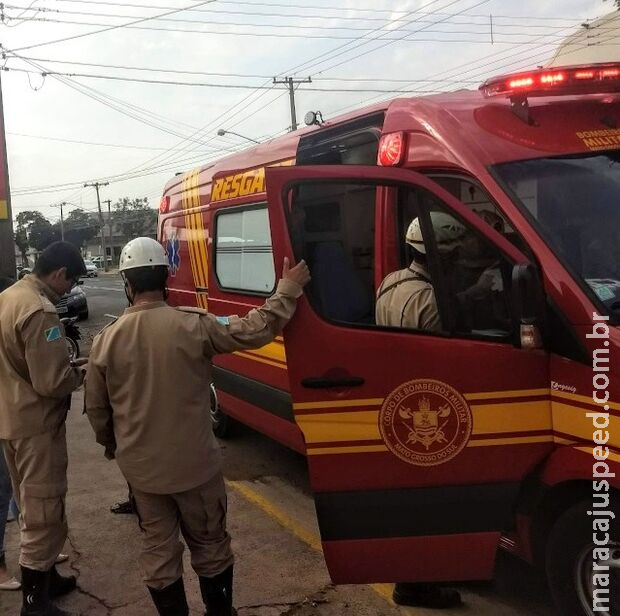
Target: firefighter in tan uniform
{"points": [[37, 381], [147, 397], [406, 298]]}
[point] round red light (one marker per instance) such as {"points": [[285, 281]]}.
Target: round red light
{"points": [[392, 149]]}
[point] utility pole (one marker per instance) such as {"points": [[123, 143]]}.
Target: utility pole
{"points": [[96, 186], [291, 82], [62, 219], [109, 201], [7, 245]]}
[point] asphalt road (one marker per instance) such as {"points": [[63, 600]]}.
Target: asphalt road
{"points": [[105, 295], [280, 570]]}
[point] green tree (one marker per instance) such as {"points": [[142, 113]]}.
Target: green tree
{"points": [[21, 241], [134, 217], [37, 229], [79, 227]]}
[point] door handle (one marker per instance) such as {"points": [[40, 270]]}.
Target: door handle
{"points": [[320, 382]]}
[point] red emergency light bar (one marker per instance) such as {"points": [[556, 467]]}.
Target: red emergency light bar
{"points": [[582, 79]]}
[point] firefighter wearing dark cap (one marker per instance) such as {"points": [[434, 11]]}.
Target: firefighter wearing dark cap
{"points": [[37, 381]]}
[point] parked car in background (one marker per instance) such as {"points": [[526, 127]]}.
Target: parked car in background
{"points": [[98, 261], [73, 304], [91, 269]]}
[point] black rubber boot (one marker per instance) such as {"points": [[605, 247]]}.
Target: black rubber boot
{"points": [[35, 587], [217, 593], [170, 601], [61, 585], [426, 595]]}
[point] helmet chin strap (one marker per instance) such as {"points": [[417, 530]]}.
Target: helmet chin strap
{"points": [[127, 289], [130, 297]]}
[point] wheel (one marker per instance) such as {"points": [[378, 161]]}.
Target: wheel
{"points": [[73, 347], [220, 421], [83, 315], [570, 562]]}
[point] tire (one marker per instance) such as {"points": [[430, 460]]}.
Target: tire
{"points": [[74, 348], [83, 315], [221, 422], [569, 561]]}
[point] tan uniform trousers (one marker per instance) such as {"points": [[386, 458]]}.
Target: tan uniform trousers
{"points": [[200, 515], [38, 469]]}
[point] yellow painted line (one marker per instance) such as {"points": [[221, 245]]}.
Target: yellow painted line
{"points": [[585, 399], [334, 427], [338, 403], [517, 393], [614, 457], [515, 440], [363, 424], [260, 360], [512, 417], [321, 451], [272, 351], [189, 232], [563, 441], [289, 524], [198, 239], [572, 421], [521, 393], [202, 240]]}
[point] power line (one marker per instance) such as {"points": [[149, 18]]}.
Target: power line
{"points": [[116, 27], [302, 26], [310, 7], [388, 41], [124, 146], [254, 33], [126, 109], [468, 67], [378, 78], [192, 84]]}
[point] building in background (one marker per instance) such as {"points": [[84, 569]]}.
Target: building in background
{"points": [[119, 239], [597, 41]]}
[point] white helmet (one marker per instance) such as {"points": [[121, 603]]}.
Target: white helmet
{"points": [[448, 232], [142, 252]]}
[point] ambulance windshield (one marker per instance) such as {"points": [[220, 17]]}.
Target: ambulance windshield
{"points": [[576, 203]]}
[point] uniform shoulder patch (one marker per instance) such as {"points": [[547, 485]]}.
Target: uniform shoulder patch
{"points": [[53, 333]]}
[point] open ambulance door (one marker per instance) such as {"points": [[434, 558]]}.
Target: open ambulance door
{"points": [[417, 441]]}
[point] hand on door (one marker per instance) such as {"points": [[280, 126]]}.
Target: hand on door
{"points": [[299, 274]]}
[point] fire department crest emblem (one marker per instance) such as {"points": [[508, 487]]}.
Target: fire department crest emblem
{"points": [[425, 422]]}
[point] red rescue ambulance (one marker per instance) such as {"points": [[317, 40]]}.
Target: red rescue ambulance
{"points": [[428, 451]]}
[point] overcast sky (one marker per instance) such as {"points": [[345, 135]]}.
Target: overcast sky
{"points": [[148, 131]]}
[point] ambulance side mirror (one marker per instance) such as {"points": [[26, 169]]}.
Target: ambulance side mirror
{"points": [[528, 303]]}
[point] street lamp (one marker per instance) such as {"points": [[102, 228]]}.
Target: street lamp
{"points": [[223, 132]]}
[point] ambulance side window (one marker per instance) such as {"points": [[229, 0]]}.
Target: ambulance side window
{"points": [[332, 228], [437, 275], [243, 252]]}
